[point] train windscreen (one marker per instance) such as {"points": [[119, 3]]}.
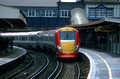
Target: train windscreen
{"points": [[67, 35]]}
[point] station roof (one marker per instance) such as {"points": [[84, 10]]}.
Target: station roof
{"points": [[100, 0], [11, 17], [102, 22]]}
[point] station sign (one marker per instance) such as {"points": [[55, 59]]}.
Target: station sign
{"points": [[106, 28]]}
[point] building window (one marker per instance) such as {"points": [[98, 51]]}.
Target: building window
{"points": [[25, 12], [31, 13], [37, 13], [50, 13], [110, 13], [92, 12], [40, 13], [100, 12], [64, 13]]}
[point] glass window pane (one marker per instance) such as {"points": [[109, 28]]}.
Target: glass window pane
{"points": [[42, 12], [37, 13], [25, 12], [67, 35], [54, 13], [71, 35]]}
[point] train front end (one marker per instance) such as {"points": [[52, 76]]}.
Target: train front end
{"points": [[67, 42]]}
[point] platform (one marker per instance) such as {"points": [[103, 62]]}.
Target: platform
{"points": [[14, 54], [103, 65]]}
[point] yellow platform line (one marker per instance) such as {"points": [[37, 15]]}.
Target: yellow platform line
{"points": [[109, 70]]}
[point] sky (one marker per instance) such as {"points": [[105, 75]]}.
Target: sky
{"points": [[68, 0]]}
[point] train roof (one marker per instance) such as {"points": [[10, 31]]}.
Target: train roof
{"points": [[49, 31], [19, 33], [67, 29]]}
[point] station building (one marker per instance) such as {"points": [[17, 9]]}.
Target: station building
{"points": [[49, 14]]}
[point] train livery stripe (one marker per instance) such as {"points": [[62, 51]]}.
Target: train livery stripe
{"points": [[67, 40]]}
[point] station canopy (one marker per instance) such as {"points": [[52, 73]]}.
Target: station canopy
{"points": [[11, 17], [103, 22]]}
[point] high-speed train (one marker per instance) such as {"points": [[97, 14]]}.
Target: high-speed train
{"points": [[64, 41]]}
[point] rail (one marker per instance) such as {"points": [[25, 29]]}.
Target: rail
{"points": [[78, 68], [29, 64], [46, 62], [61, 67], [52, 74]]}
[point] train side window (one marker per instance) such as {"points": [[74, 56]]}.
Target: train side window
{"points": [[28, 38], [20, 38], [44, 39], [32, 38], [23, 38], [38, 38], [41, 38], [47, 38], [13, 38], [16, 38], [50, 38]]}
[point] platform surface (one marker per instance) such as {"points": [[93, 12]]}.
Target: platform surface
{"points": [[103, 65], [14, 54]]}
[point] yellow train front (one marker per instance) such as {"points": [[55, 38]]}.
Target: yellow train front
{"points": [[67, 42]]}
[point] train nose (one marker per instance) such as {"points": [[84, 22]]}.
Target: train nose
{"points": [[67, 47]]}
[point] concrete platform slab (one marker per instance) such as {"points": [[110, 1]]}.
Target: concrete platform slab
{"points": [[103, 65], [15, 53]]}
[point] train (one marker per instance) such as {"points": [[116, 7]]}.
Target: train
{"points": [[64, 41]]}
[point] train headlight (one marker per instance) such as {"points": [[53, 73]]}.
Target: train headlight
{"points": [[76, 47], [59, 47]]}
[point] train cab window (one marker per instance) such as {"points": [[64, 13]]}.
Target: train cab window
{"points": [[67, 35]]}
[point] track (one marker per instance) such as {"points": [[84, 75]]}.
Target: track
{"points": [[41, 66], [46, 62], [69, 71], [54, 72], [33, 64], [23, 66], [20, 70], [46, 66], [51, 69]]}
